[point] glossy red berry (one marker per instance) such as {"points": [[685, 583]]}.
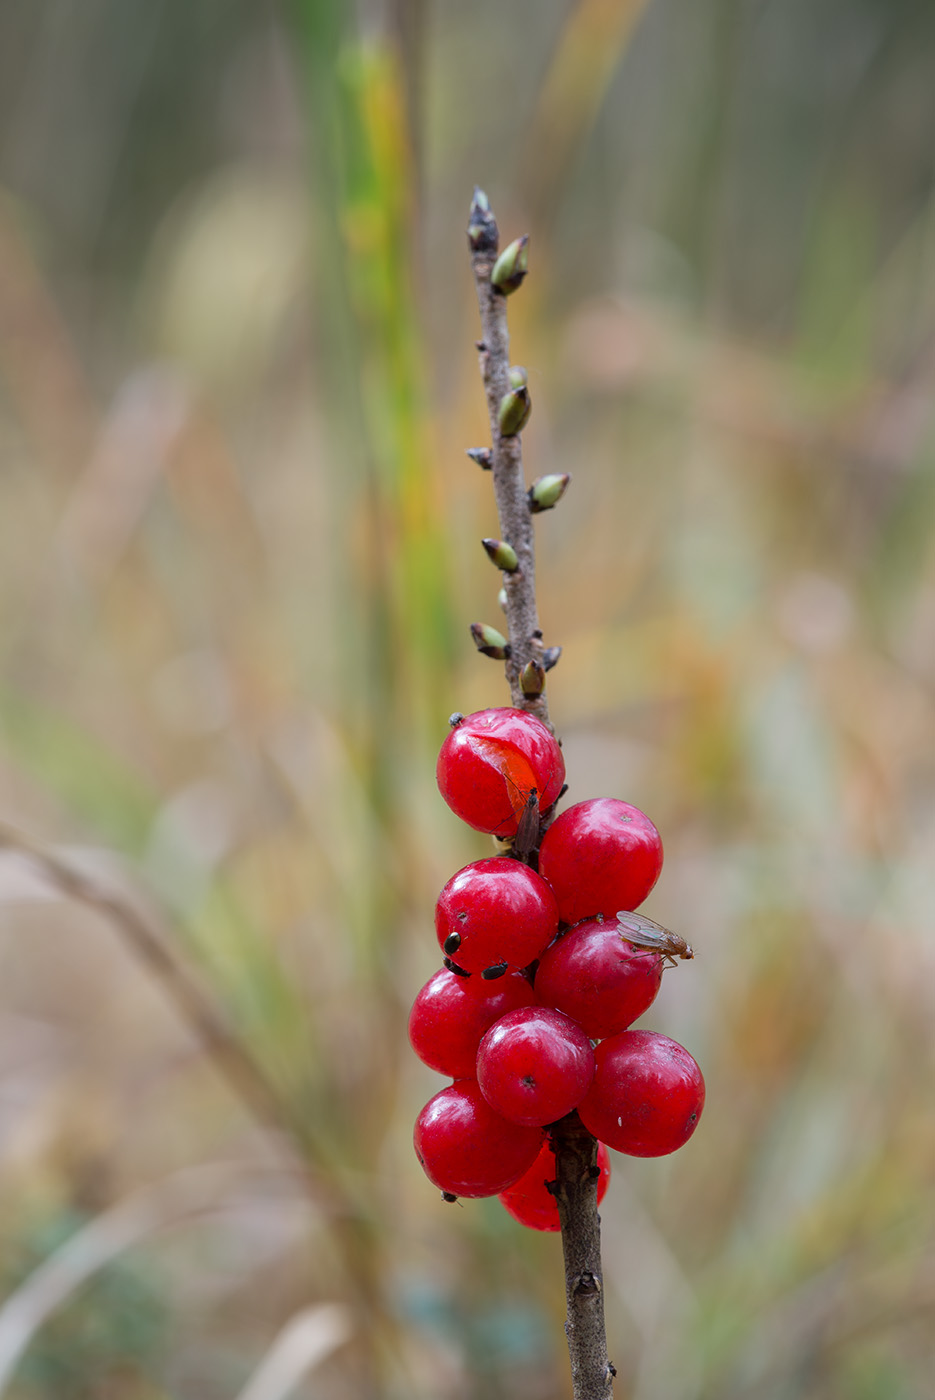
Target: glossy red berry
{"points": [[466, 1148], [593, 975], [600, 856], [534, 1065], [495, 912], [451, 1013], [489, 764], [646, 1096], [530, 1201]]}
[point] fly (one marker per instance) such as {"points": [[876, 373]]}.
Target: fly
{"points": [[646, 933], [522, 793], [527, 832]]}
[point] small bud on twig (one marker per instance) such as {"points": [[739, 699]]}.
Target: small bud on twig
{"points": [[511, 266], [532, 679], [550, 656], [515, 408], [483, 234], [482, 456], [501, 599], [489, 641], [501, 554], [519, 376], [546, 492]]}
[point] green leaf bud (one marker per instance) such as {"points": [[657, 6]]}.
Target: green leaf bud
{"points": [[532, 679], [501, 599], [489, 641], [501, 554], [518, 377], [515, 408], [511, 266], [546, 492]]}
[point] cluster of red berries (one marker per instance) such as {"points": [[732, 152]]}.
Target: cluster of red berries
{"points": [[544, 971]]}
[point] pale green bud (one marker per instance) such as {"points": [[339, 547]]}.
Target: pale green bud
{"points": [[489, 641], [502, 554], [546, 492], [511, 266], [515, 408], [532, 679]]}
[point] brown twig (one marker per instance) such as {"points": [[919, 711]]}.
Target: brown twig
{"points": [[525, 635], [575, 1148]]}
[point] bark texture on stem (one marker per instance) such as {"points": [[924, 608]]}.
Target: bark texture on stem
{"points": [[575, 1148], [575, 1190]]}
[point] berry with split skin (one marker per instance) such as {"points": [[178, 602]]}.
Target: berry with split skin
{"points": [[495, 911], [534, 1065], [600, 856], [646, 1095], [489, 764], [599, 979], [530, 1201], [467, 1149], [450, 1015]]}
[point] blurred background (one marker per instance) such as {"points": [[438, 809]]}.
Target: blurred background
{"points": [[239, 542]]}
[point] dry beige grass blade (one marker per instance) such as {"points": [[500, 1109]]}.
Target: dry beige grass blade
{"points": [[191, 997], [307, 1339], [192, 1192]]}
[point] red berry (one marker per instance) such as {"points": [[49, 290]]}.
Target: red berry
{"points": [[451, 1013], [468, 1149], [593, 975], [600, 856], [491, 761], [531, 1202], [646, 1096], [534, 1065], [493, 912]]}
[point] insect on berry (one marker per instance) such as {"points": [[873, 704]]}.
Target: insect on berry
{"points": [[527, 832], [502, 911], [646, 933], [490, 974]]}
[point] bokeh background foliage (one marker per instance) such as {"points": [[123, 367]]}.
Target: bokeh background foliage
{"points": [[239, 554]]}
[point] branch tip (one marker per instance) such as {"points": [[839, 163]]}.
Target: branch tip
{"points": [[483, 234]]}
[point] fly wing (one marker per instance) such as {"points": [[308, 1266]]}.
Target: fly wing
{"points": [[527, 832], [647, 930]]}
